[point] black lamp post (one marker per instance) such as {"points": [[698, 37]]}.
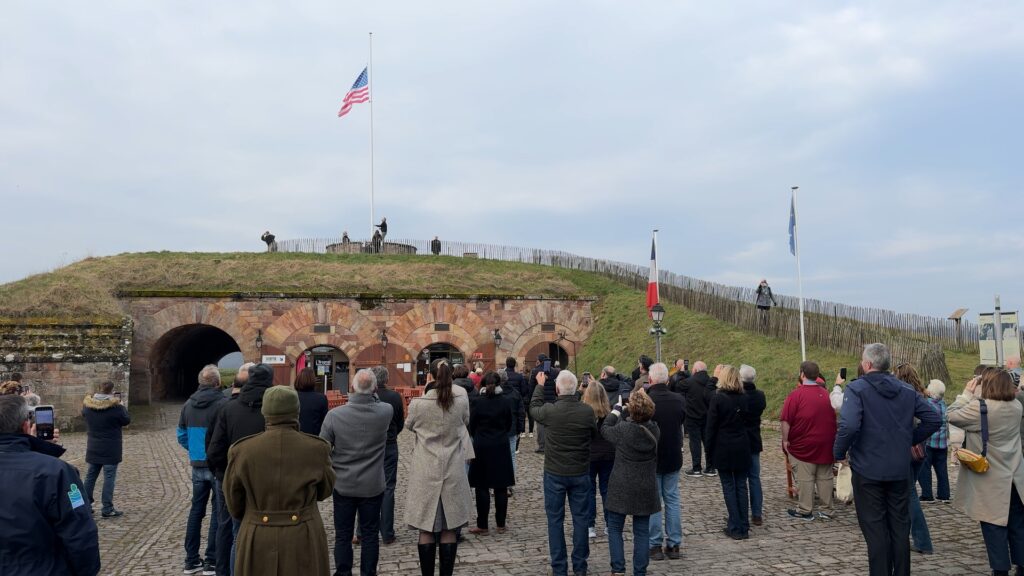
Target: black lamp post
{"points": [[657, 314], [259, 345]]}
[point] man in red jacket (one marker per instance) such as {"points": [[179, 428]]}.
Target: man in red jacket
{"points": [[808, 434]]}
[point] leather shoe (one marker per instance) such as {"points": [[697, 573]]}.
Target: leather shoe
{"points": [[657, 554], [672, 552]]}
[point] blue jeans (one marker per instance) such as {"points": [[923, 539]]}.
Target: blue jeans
{"points": [[600, 472], [203, 484], [919, 534], [935, 458], [616, 550], [225, 533], [512, 442], [236, 525], [754, 486], [387, 507], [577, 490], [1005, 544], [668, 487], [109, 480], [734, 488], [345, 509]]}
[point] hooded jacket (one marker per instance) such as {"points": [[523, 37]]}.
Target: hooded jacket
{"points": [[697, 390], [196, 417], [611, 388], [756, 408], [238, 418], [876, 426], [104, 418], [48, 530]]}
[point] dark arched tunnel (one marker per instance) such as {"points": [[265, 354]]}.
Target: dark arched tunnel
{"points": [[181, 353]]}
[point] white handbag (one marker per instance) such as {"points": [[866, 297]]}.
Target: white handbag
{"points": [[844, 484]]}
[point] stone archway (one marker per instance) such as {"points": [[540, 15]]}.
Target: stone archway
{"points": [[534, 336], [177, 357]]}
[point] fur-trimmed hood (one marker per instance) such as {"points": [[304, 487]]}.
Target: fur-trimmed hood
{"points": [[94, 403]]}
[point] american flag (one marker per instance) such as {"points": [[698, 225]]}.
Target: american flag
{"points": [[359, 93]]}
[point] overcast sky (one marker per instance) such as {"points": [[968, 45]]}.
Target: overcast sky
{"points": [[129, 126]]}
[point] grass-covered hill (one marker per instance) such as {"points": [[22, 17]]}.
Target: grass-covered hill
{"points": [[87, 289]]}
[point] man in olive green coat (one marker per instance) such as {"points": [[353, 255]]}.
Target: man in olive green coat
{"points": [[273, 481]]}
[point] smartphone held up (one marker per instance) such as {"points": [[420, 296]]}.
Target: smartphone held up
{"points": [[44, 422]]}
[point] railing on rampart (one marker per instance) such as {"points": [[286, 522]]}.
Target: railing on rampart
{"points": [[839, 327]]}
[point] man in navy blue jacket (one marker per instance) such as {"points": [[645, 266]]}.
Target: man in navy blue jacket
{"points": [[876, 427], [196, 418], [48, 530]]}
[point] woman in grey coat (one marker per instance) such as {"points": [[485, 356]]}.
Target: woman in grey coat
{"points": [[438, 495], [632, 488]]}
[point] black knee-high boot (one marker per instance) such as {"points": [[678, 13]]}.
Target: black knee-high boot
{"points": [[447, 554], [427, 555]]}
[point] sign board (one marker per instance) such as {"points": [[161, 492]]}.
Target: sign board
{"points": [[987, 336], [274, 359]]}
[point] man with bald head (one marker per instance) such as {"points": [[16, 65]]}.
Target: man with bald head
{"points": [[697, 390]]}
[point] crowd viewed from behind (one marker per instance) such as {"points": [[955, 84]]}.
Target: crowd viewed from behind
{"points": [[262, 456]]}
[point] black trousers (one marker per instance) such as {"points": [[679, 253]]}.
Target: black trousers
{"points": [[225, 536], [883, 512], [483, 506], [695, 430]]}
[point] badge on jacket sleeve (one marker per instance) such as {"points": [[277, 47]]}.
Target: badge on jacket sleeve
{"points": [[75, 496]]}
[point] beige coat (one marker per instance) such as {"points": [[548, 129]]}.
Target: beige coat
{"points": [[986, 497], [441, 448]]}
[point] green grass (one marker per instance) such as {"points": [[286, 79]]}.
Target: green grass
{"points": [[621, 336], [87, 288]]}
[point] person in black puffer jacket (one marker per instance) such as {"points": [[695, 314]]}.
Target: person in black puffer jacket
{"points": [[729, 448], [236, 419], [757, 406], [104, 417]]}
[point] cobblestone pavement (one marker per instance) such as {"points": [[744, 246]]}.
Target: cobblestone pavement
{"points": [[154, 481]]}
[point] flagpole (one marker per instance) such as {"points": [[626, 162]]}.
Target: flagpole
{"points": [[799, 276], [369, 80]]}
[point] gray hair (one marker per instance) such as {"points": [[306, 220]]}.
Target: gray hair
{"points": [[243, 369], [381, 374], [364, 382], [13, 413], [503, 375], [33, 399], [699, 366], [747, 373], [878, 356], [209, 376], [608, 370], [565, 383], [658, 373]]}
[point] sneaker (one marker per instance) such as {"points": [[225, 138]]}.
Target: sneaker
{"points": [[193, 567], [531, 434], [388, 541], [657, 554], [944, 500], [799, 515], [209, 568], [927, 499], [921, 550], [672, 552], [112, 514], [757, 520], [693, 473], [591, 533], [823, 515], [710, 472]]}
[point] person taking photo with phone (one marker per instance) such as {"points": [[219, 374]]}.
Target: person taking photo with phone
{"points": [[104, 418], [50, 530]]}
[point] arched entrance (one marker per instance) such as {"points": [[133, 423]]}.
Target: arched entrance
{"points": [[330, 366], [180, 354], [553, 351], [434, 352]]}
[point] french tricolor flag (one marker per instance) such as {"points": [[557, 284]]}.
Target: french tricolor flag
{"points": [[652, 280]]}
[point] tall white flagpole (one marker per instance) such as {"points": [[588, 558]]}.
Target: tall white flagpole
{"points": [[370, 85], [799, 276]]}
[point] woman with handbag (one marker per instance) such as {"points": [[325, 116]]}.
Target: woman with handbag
{"points": [[990, 416], [920, 537]]}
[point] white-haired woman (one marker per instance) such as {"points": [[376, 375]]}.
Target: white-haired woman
{"points": [[936, 450]]}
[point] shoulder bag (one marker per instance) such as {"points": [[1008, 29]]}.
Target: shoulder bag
{"points": [[977, 463]]}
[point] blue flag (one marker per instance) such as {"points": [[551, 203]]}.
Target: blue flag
{"points": [[792, 225]]}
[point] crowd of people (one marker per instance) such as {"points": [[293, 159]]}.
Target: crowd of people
{"points": [[266, 455]]}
